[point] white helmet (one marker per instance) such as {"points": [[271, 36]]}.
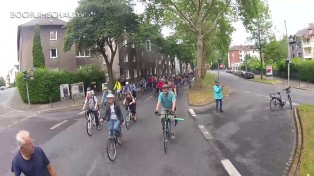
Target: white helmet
{"points": [[110, 95], [127, 83]]}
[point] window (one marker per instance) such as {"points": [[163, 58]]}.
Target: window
{"points": [[82, 54], [135, 73], [134, 59], [53, 53], [53, 35], [148, 45], [298, 45], [133, 46], [253, 51], [292, 55], [155, 71], [126, 58], [292, 47], [139, 72], [159, 62], [299, 54], [166, 71], [127, 74], [150, 71], [125, 42], [142, 52], [55, 69]]}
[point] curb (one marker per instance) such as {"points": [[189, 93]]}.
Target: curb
{"points": [[60, 109], [284, 85], [298, 147]]}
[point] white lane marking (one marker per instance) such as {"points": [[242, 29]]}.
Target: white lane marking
{"points": [[232, 171], [15, 123], [148, 98], [207, 135], [192, 112], [81, 112], [23, 119], [28, 116], [59, 124], [92, 168]]}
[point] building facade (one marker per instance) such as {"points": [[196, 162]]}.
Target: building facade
{"points": [[237, 55], [296, 48], [306, 37], [130, 62]]}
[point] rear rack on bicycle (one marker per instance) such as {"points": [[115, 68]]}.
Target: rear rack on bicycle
{"points": [[274, 95]]}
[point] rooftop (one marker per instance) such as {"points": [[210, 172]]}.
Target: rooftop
{"points": [[45, 22], [242, 48]]}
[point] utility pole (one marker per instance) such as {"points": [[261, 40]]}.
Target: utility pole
{"points": [[219, 61], [288, 57]]}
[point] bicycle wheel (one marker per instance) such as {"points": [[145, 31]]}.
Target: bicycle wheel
{"points": [[290, 102], [89, 127], [274, 104], [111, 149], [165, 137], [127, 120]]}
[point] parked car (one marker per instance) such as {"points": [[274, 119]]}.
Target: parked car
{"points": [[240, 73], [2, 88], [248, 75]]}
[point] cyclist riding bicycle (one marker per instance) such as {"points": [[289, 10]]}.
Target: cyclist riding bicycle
{"points": [[114, 117], [173, 87], [127, 88], [130, 101], [92, 105], [117, 87], [167, 100], [106, 91]]}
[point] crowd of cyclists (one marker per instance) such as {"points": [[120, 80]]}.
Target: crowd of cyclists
{"points": [[126, 91]]}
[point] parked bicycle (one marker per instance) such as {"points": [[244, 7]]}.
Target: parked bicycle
{"points": [[166, 126], [277, 102], [91, 122]]}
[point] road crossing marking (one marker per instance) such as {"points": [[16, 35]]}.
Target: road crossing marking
{"points": [[207, 135], [81, 112], [59, 124], [232, 171]]}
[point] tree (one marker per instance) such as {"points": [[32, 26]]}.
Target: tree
{"points": [[275, 51], [104, 25], [38, 55], [200, 17], [259, 25], [2, 81], [170, 47]]}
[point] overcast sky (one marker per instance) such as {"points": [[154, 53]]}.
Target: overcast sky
{"points": [[297, 13]]}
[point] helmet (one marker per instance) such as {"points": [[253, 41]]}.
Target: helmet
{"points": [[106, 83], [165, 86], [89, 89], [127, 83], [110, 95]]}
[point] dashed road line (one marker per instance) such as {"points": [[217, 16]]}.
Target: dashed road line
{"points": [[148, 98], [232, 171], [91, 170], [207, 135], [81, 113], [59, 124], [192, 112]]}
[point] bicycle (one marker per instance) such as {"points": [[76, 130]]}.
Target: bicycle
{"points": [[128, 116], [90, 122], [276, 100], [104, 104], [166, 126], [111, 145]]}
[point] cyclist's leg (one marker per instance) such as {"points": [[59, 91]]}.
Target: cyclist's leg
{"points": [[88, 112], [110, 126], [116, 127], [96, 117]]}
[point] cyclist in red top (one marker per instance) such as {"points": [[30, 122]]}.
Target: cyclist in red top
{"points": [[160, 83], [173, 87]]}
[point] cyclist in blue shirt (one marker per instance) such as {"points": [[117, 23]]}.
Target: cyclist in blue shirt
{"points": [[167, 100]]}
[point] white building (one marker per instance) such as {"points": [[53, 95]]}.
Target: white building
{"points": [[307, 37], [236, 55], [11, 75]]}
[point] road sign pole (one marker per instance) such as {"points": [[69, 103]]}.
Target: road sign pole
{"points": [[288, 57], [28, 95]]}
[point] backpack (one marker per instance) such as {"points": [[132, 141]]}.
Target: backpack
{"points": [[93, 99]]}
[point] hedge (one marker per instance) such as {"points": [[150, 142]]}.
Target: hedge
{"points": [[47, 83]]}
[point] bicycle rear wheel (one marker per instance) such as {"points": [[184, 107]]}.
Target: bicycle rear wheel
{"points": [[165, 136], [274, 104], [89, 127], [290, 102], [127, 120], [111, 149]]}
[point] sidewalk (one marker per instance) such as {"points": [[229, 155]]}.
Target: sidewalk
{"points": [[16, 104], [293, 83]]}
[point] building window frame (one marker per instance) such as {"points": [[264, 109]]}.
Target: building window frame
{"points": [[55, 57], [127, 74], [135, 73], [126, 58], [51, 34], [134, 59]]}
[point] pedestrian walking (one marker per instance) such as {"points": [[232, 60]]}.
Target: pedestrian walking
{"points": [[30, 159], [218, 95]]}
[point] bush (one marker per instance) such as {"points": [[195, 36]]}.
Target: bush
{"points": [[303, 69], [46, 83]]}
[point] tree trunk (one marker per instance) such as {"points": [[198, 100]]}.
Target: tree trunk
{"points": [[199, 60], [260, 51], [110, 76], [186, 67], [180, 66]]}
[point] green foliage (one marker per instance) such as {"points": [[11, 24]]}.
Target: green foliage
{"points": [[304, 69], [38, 55], [275, 51], [2, 81], [47, 83], [104, 24], [147, 31]]}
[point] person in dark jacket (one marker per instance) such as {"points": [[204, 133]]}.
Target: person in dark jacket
{"points": [[114, 117]]}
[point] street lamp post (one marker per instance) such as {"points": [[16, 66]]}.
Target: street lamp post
{"points": [[288, 57]]}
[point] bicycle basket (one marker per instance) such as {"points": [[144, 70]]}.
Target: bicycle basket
{"points": [[273, 95]]}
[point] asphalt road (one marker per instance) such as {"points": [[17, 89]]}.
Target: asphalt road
{"points": [[74, 153], [256, 140]]}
